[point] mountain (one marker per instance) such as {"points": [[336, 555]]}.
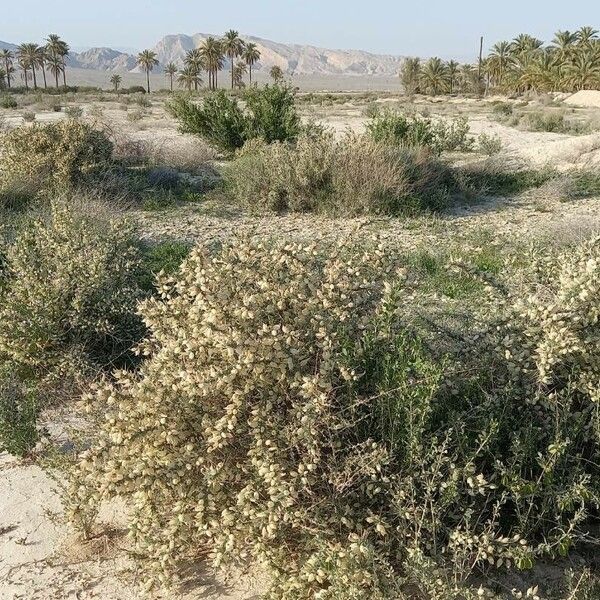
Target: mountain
{"points": [[294, 59], [103, 59], [7, 46]]}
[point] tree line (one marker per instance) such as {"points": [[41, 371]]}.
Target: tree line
{"points": [[571, 62], [31, 60], [208, 58]]}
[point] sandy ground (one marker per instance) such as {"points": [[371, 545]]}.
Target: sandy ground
{"points": [[39, 556]]}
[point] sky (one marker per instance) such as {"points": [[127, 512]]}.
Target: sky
{"points": [[445, 28]]}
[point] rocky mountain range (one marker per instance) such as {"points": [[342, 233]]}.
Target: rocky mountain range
{"points": [[294, 59]]}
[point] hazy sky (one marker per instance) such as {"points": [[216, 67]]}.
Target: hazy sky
{"points": [[417, 27]]}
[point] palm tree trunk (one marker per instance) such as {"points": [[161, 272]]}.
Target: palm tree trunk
{"points": [[34, 78], [232, 69], [56, 78], [64, 72], [171, 81], [7, 73], [148, 79], [250, 71], [26, 79], [44, 73]]}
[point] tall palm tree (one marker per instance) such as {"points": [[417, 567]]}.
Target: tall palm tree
{"points": [[195, 61], [170, 71], [586, 36], [116, 81], [499, 60], [7, 56], [147, 60], [57, 50], [452, 74], [189, 78], [251, 55], [584, 72], [434, 76], [42, 57], [211, 51], [28, 59], [233, 46]]}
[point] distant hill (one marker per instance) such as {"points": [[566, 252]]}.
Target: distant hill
{"points": [[7, 46], [294, 59]]}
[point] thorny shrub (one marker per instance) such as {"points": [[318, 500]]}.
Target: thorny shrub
{"points": [[352, 176], [69, 293], [56, 154], [285, 414]]}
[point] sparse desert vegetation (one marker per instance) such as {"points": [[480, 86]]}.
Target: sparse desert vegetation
{"points": [[336, 345]]}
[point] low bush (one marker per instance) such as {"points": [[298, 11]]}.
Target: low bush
{"points": [[414, 130], [8, 101], [268, 113], [489, 144], [74, 112], [70, 293], [286, 414], [28, 116], [18, 414], [351, 176], [55, 154]]}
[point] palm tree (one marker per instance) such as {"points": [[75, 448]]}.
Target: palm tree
{"points": [[233, 46], [251, 55], [211, 51], [2, 78], [147, 60], [586, 36], [170, 71], [7, 56], [116, 81], [452, 74], [24, 66], [276, 74], [584, 72], [58, 50], [499, 59], [195, 61], [189, 78], [28, 59], [434, 76], [42, 57]]}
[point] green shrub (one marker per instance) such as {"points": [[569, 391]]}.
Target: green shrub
{"points": [[55, 154], [28, 116], [70, 293], [351, 176], [396, 128], [74, 112], [269, 113], [18, 415], [219, 119], [502, 109], [272, 113], [7, 101], [489, 144]]}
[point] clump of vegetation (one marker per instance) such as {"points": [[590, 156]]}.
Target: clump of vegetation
{"points": [[18, 414], [55, 154], [69, 294], [269, 113], [74, 112], [351, 176], [415, 130], [489, 144], [319, 405], [8, 101], [28, 116]]}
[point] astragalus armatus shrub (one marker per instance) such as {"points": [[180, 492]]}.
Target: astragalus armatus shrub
{"points": [[286, 415], [239, 433]]}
